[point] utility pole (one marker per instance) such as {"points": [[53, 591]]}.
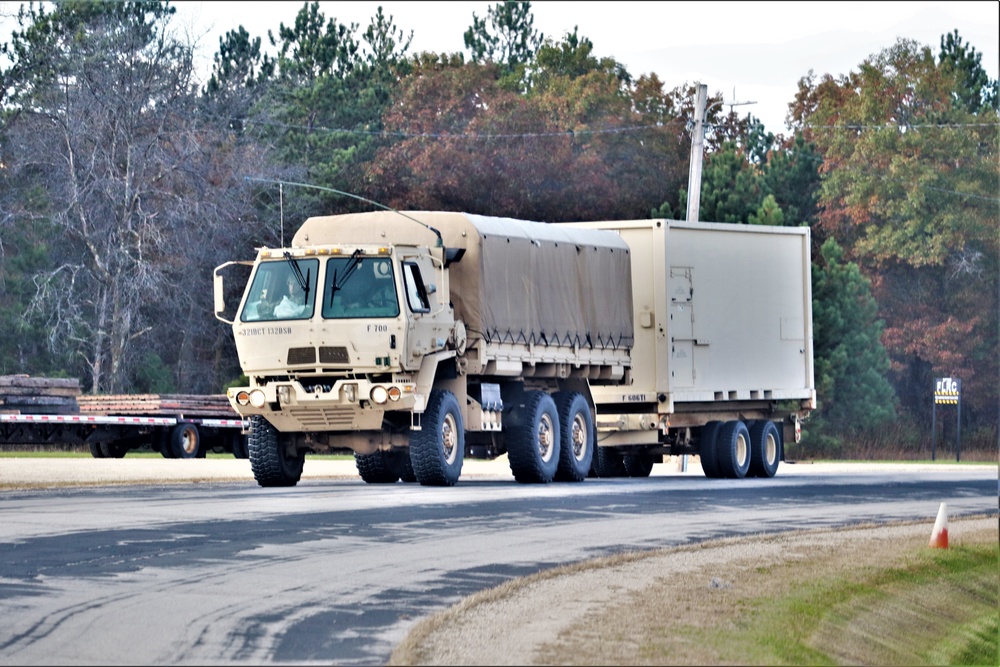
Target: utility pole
{"points": [[698, 147], [697, 150]]}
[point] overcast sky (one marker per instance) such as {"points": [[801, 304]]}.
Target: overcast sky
{"points": [[749, 51]]}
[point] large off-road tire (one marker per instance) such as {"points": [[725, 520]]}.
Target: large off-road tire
{"points": [[639, 464], [765, 449], [533, 441], [732, 450], [399, 460], [185, 441], [609, 462], [707, 451], [376, 468], [576, 431], [238, 443], [269, 459], [437, 450]]}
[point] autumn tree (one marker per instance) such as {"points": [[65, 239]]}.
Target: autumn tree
{"points": [[910, 180]]}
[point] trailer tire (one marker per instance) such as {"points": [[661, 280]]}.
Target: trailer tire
{"points": [[533, 443], [576, 430], [765, 449], [639, 464], [96, 451], [707, 450], [185, 441], [376, 468], [732, 449], [609, 462], [269, 461], [113, 450], [437, 450]]}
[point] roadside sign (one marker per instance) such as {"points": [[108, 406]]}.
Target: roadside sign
{"points": [[947, 391]]}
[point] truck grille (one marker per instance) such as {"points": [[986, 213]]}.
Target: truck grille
{"points": [[301, 355], [325, 419], [334, 355]]}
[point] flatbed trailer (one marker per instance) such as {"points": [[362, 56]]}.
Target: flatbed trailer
{"points": [[112, 436]]}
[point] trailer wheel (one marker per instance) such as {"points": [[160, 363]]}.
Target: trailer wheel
{"points": [[638, 465], [576, 430], [376, 468], [113, 450], [96, 451], [732, 450], [185, 441], [707, 450], [609, 462], [269, 460], [437, 450], [534, 441], [765, 449]]}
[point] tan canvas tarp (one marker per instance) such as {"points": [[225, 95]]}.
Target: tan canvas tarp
{"points": [[518, 281]]}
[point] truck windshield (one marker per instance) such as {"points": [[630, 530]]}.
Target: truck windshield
{"points": [[359, 287], [277, 291]]}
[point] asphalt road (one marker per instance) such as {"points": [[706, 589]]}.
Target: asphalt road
{"points": [[337, 571]]}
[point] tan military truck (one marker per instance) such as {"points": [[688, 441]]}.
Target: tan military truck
{"points": [[417, 338]]}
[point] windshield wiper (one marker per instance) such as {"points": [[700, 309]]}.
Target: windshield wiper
{"points": [[303, 280], [349, 270]]}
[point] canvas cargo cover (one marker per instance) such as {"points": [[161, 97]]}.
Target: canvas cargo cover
{"points": [[518, 282]]}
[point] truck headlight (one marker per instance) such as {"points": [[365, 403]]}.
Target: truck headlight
{"points": [[257, 398], [243, 398], [394, 393], [284, 392], [379, 394]]}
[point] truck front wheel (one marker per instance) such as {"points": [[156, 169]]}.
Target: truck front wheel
{"points": [[732, 450], [576, 428], [437, 450], [534, 440], [269, 460]]}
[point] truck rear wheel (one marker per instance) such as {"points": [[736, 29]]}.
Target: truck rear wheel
{"points": [[639, 464], [400, 461], [609, 462], [96, 451], [437, 450], [534, 440], [707, 449], [269, 460], [732, 450], [185, 441], [576, 430], [765, 449], [376, 468]]}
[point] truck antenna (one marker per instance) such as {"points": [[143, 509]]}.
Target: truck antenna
{"points": [[440, 241]]}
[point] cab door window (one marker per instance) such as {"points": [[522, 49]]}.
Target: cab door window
{"points": [[416, 291]]}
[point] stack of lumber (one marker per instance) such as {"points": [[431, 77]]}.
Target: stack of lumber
{"points": [[163, 405], [23, 394]]}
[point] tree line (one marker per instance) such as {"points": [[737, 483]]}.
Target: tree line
{"points": [[124, 179]]}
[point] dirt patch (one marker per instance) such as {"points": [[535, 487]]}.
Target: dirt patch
{"points": [[675, 606]]}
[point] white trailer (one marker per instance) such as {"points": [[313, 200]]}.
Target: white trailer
{"points": [[722, 364]]}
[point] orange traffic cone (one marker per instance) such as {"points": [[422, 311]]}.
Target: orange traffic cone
{"points": [[939, 536]]}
